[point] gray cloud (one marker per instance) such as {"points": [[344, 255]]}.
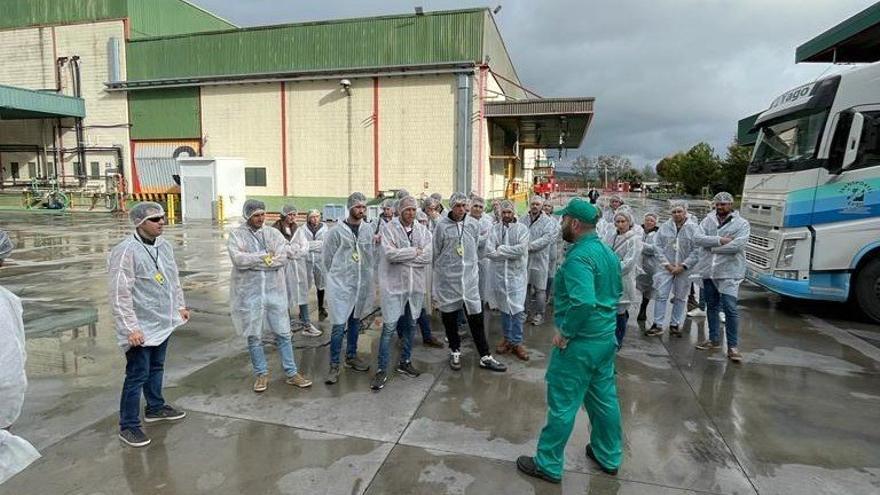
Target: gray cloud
{"points": [[665, 74]]}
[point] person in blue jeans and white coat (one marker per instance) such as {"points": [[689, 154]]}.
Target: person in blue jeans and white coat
{"points": [[147, 304], [723, 236]]}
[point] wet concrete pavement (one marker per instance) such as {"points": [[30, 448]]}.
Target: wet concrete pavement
{"points": [[799, 415]]}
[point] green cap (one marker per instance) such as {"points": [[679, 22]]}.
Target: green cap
{"points": [[580, 209]]}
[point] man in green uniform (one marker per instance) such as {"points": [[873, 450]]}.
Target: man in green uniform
{"points": [[581, 369]]}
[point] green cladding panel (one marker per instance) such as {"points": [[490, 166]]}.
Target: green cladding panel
{"points": [[745, 136], [169, 17], [17, 13], [165, 113], [371, 42]]}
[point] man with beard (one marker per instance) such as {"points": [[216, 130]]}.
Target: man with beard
{"points": [[581, 370]]}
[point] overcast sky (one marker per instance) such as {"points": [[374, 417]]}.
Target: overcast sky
{"points": [[666, 74]]}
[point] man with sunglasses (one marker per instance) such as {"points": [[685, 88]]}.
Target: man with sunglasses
{"points": [[147, 304]]}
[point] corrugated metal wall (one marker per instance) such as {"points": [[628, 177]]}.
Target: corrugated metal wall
{"points": [[499, 60], [164, 113], [397, 40], [167, 17], [155, 163], [148, 17]]}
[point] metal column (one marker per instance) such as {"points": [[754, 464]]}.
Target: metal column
{"points": [[464, 102]]}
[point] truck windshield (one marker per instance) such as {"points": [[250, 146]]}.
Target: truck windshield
{"points": [[790, 144]]}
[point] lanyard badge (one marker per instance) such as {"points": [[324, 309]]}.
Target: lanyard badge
{"points": [[267, 260], [459, 249], [158, 277], [356, 257]]}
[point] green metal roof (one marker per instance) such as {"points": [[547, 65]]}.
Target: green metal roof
{"points": [[856, 39], [745, 136], [451, 36], [146, 17], [19, 103]]}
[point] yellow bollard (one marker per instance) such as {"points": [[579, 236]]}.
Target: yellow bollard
{"points": [[220, 213], [172, 212]]}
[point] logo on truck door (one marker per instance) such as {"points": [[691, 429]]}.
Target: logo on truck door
{"points": [[855, 193]]}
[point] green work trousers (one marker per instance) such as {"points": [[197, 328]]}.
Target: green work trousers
{"points": [[582, 373]]}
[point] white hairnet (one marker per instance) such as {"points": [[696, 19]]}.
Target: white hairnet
{"points": [[430, 203], [388, 203], [6, 245], [437, 196], [723, 197], [356, 199], [252, 207], [652, 215], [401, 193], [678, 203], [477, 200], [507, 205], [537, 199], [457, 198], [627, 214], [286, 209], [407, 202], [615, 196], [142, 211], [421, 216], [313, 213]]}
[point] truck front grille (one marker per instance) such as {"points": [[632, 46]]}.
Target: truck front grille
{"points": [[757, 260]]}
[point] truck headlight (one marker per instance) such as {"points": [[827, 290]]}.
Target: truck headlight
{"points": [[786, 253], [786, 274]]}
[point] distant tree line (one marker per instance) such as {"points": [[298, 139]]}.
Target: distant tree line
{"points": [[701, 167]]}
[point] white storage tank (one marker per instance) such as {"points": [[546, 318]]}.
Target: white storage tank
{"points": [[211, 188]]}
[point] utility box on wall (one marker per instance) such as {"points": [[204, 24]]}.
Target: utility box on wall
{"points": [[211, 188]]}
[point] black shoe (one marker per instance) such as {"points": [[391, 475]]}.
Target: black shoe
{"points": [[408, 369], [322, 314], [642, 317], [134, 437], [591, 455], [379, 380], [654, 331], [674, 330], [527, 465], [492, 364], [167, 413]]}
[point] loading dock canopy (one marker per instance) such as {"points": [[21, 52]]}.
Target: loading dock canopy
{"points": [[549, 123], [854, 40], [20, 103]]}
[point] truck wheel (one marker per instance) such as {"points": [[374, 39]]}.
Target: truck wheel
{"points": [[867, 289]]}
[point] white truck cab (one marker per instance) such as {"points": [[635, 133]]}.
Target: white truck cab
{"points": [[812, 192]]}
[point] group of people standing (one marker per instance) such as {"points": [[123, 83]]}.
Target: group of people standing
{"points": [[662, 262]]}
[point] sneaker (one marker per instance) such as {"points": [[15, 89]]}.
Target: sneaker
{"points": [[310, 330], [520, 352], [734, 355], [408, 369], [708, 345], [696, 313], [592, 456], [379, 380], [654, 331], [674, 330], [455, 360], [433, 342], [261, 383], [722, 317], [332, 375], [503, 347], [538, 320], [298, 380], [356, 364], [296, 325], [134, 437], [167, 413], [527, 466], [492, 364], [322, 314]]}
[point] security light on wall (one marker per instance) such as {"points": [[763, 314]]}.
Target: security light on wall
{"points": [[346, 86]]}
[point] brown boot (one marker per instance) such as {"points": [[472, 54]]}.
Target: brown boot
{"points": [[520, 352], [503, 347]]}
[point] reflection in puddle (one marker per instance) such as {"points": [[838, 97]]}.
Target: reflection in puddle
{"points": [[53, 333]]}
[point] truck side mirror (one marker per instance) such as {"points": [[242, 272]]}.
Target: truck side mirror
{"points": [[852, 142]]}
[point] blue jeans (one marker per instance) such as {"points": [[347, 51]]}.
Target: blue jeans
{"points": [[144, 369], [304, 313], [716, 301], [424, 323], [258, 357], [620, 331], [336, 335], [512, 327], [388, 330]]}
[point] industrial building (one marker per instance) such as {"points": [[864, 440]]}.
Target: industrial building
{"points": [[105, 94]]}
